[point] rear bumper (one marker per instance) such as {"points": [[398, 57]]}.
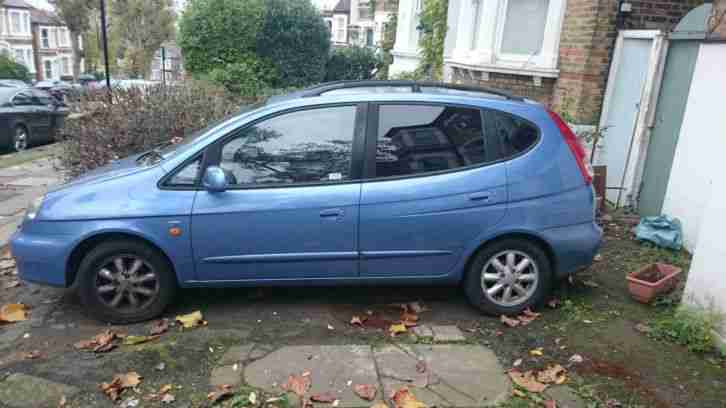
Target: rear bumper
{"points": [[574, 246]]}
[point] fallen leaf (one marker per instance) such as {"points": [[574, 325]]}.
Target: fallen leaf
{"points": [[160, 367], [336, 403], [643, 328], [191, 320], [550, 404], [132, 340], [518, 393], [509, 321], [365, 391], [417, 307], [517, 362], [613, 403], [356, 321], [298, 384], [538, 352], [576, 359], [330, 327], [100, 343], [555, 374], [168, 399], [326, 397], [403, 398], [31, 355], [63, 401], [590, 284], [252, 398], [119, 383], [13, 312], [398, 328], [159, 327], [409, 319], [421, 366], [526, 380], [220, 393]]}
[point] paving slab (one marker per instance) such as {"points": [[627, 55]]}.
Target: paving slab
{"points": [[27, 391], [565, 397], [447, 334], [444, 375], [423, 332], [331, 368]]}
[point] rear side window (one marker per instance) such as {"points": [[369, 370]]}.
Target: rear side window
{"points": [[513, 135], [415, 139]]}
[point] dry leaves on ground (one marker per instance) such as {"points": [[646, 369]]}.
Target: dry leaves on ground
{"points": [[164, 395], [555, 374], [523, 319], [133, 340], [119, 383], [550, 404], [526, 380], [100, 343], [220, 393], [159, 327], [325, 397], [379, 404], [404, 398], [191, 320], [365, 391], [32, 355], [537, 352], [356, 321], [298, 384], [13, 312], [397, 328]]}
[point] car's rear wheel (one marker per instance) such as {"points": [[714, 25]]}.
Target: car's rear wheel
{"points": [[508, 276], [20, 139], [125, 281]]}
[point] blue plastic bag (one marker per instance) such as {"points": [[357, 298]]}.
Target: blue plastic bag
{"points": [[663, 231]]}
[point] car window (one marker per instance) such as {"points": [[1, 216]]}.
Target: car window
{"points": [[309, 146], [23, 99], [188, 174], [513, 134], [42, 97], [414, 139]]}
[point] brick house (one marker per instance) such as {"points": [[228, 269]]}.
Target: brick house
{"points": [[52, 44], [557, 52], [16, 39]]}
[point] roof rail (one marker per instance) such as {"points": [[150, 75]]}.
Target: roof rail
{"points": [[414, 85]]}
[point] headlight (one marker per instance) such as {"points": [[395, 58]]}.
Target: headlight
{"points": [[34, 208]]}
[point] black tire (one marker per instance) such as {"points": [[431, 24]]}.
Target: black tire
{"points": [[89, 275], [15, 144], [473, 282]]}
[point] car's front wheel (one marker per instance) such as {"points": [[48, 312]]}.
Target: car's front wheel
{"points": [[508, 277], [125, 281]]}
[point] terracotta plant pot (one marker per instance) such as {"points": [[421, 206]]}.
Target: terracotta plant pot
{"points": [[652, 280]]}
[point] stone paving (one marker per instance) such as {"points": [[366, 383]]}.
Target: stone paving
{"points": [[19, 186]]}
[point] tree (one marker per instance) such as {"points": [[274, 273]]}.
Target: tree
{"points": [[75, 14], [9, 69], [142, 26], [289, 36]]}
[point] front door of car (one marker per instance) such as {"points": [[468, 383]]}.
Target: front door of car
{"points": [[291, 209], [432, 187], [24, 105]]}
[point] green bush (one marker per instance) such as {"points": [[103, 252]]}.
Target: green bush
{"points": [[9, 69], [688, 327], [284, 43], [248, 78], [138, 119], [351, 63]]}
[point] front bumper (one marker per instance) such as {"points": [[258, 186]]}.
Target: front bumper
{"points": [[41, 259]]}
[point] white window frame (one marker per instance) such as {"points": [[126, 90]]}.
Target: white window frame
{"points": [[63, 70], [28, 59], [339, 27], [24, 17], [45, 41], [487, 40], [54, 68]]}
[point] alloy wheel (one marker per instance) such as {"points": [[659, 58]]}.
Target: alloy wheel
{"points": [[20, 142], [509, 278], [127, 283]]}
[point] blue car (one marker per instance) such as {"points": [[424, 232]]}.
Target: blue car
{"points": [[371, 182]]}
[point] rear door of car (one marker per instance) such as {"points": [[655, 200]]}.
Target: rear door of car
{"points": [[43, 111], [433, 184]]}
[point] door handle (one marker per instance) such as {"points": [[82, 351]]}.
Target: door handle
{"points": [[332, 212], [483, 196]]}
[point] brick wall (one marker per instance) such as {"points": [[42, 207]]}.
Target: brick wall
{"points": [[520, 85]]}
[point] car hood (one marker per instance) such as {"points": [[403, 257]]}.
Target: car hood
{"points": [[115, 169]]}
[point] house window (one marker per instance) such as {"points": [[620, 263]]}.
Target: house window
{"points": [[364, 11], [369, 37], [44, 38], [16, 23], [340, 29], [48, 69], [524, 26], [30, 61], [66, 65]]}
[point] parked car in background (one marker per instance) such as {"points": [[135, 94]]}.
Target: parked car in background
{"points": [[13, 83], [60, 89], [28, 117], [375, 182]]}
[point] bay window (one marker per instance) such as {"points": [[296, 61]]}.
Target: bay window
{"points": [[510, 36]]}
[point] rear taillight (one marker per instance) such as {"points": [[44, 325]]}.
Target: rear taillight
{"points": [[577, 150]]}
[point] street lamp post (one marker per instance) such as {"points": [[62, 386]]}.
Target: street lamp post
{"points": [[105, 45]]}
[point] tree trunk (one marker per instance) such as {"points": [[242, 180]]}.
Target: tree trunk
{"points": [[76, 55]]}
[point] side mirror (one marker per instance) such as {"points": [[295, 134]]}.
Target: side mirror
{"points": [[214, 179]]}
